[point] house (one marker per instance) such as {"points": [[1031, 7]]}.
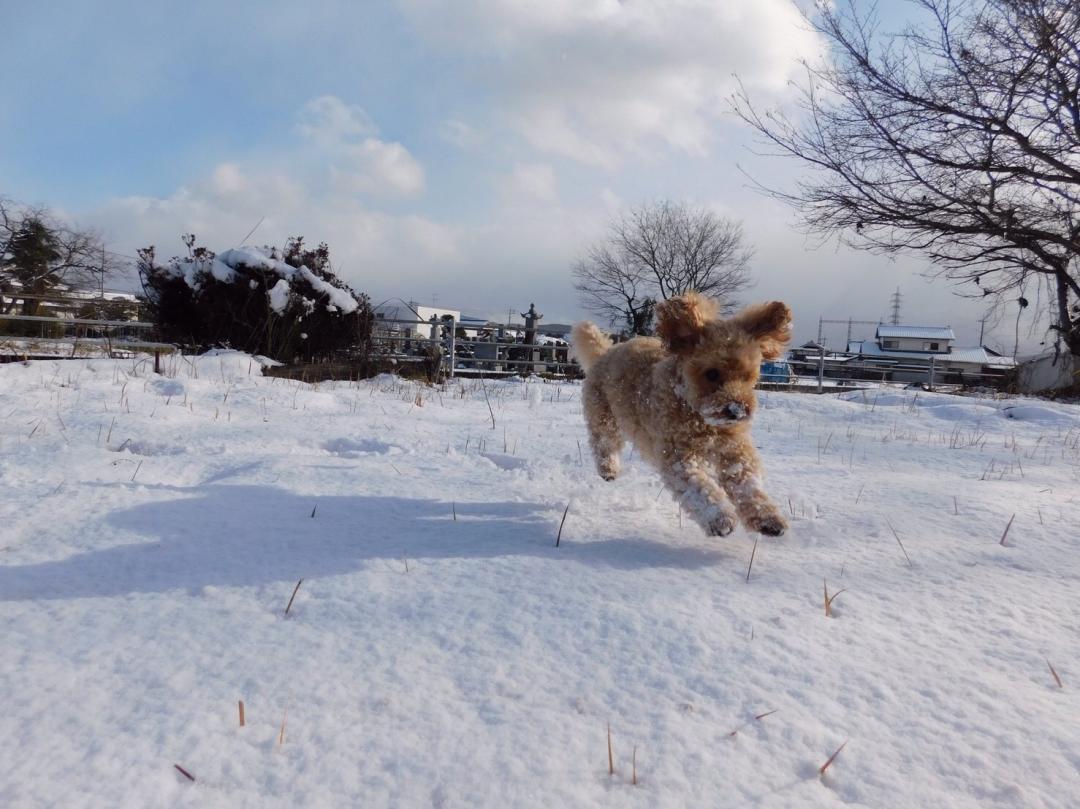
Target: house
{"points": [[393, 313], [928, 339], [902, 353]]}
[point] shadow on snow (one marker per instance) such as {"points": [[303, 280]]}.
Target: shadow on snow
{"points": [[239, 536]]}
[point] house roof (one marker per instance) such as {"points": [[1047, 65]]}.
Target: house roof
{"points": [[925, 332]]}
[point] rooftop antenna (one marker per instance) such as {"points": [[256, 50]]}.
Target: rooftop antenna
{"points": [[894, 301]]}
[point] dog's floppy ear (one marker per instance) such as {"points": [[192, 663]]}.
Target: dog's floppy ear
{"points": [[681, 321], [769, 324]]}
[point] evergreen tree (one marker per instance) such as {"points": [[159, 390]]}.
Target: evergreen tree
{"points": [[31, 252]]}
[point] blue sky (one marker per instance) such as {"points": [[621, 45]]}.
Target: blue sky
{"points": [[466, 150]]}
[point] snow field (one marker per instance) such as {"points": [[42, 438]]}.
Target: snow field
{"points": [[442, 652]]}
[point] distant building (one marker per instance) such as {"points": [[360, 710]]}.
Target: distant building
{"points": [[481, 345], [391, 313], [903, 353], [929, 339], [559, 330]]}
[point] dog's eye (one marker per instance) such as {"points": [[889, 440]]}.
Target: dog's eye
{"points": [[712, 375]]}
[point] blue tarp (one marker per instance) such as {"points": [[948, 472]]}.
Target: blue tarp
{"points": [[778, 372]]}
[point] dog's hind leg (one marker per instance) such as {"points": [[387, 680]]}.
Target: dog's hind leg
{"points": [[604, 436], [696, 490]]}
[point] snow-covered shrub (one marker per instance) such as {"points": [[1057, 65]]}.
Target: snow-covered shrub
{"points": [[285, 304]]}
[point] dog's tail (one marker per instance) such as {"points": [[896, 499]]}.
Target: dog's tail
{"points": [[588, 343]]}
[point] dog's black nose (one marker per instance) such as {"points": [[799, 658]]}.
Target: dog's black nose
{"points": [[736, 411]]}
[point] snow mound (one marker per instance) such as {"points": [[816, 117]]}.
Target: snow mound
{"points": [[360, 447], [1041, 414], [960, 412]]}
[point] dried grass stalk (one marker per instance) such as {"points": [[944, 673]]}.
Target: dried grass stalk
{"points": [[610, 755], [295, 589], [558, 537], [832, 758], [752, 554], [1006, 532], [829, 599], [1056, 678], [898, 542]]}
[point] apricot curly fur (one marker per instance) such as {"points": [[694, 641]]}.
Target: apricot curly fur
{"points": [[686, 399]]}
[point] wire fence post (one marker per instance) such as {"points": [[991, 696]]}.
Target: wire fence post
{"points": [[930, 374], [821, 369]]}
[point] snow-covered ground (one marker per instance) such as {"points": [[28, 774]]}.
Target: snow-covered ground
{"points": [[153, 528]]}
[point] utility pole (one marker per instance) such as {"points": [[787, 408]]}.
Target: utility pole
{"points": [[101, 286]]}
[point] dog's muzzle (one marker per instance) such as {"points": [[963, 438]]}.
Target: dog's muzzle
{"points": [[732, 411], [736, 411]]}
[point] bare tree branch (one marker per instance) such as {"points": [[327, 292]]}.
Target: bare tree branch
{"points": [[958, 140], [658, 251]]}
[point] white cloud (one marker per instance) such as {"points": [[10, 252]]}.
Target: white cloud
{"points": [[313, 189], [461, 134], [600, 80], [536, 180], [376, 167], [358, 162], [611, 201], [329, 120]]}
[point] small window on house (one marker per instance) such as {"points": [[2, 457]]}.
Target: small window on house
{"points": [[888, 343], [933, 346]]}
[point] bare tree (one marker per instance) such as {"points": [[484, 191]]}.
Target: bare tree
{"points": [[658, 251], [611, 286], [38, 253], [958, 140]]}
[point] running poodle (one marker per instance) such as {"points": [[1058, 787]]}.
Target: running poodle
{"points": [[686, 401]]}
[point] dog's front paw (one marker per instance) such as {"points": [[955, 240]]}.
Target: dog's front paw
{"points": [[771, 525], [720, 526], [608, 468], [773, 528]]}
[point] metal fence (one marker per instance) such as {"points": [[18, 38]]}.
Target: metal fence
{"points": [[500, 350], [63, 332], [492, 350], [835, 369]]}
